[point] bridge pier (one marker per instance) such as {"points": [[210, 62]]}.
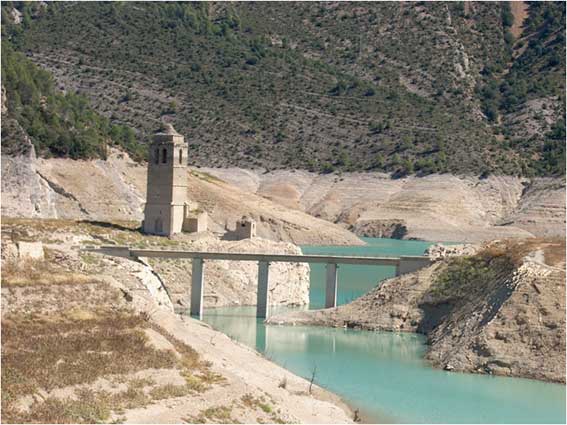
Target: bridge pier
{"points": [[197, 288], [262, 297], [331, 286]]}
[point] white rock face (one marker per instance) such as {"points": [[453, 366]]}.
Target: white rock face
{"points": [[151, 281], [115, 190], [440, 251]]}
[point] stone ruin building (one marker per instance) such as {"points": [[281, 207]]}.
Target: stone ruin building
{"points": [[245, 228], [167, 210]]}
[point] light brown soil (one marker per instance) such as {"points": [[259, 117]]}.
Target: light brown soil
{"points": [[435, 208], [520, 12], [115, 190]]}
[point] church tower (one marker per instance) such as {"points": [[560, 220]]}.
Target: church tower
{"points": [[167, 183]]}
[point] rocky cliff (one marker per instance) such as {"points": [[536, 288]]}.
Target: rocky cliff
{"points": [[115, 190], [438, 207], [499, 311]]}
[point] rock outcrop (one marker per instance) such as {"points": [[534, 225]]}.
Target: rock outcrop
{"points": [[395, 229], [436, 207], [500, 311]]}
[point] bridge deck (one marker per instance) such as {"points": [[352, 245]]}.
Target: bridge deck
{"points": [[404, 264], [233, 256]]}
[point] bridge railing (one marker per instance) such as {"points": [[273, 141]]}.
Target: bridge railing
{"points": [[403, 264]]}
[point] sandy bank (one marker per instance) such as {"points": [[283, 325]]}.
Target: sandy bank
{"points": [[245, 371]]}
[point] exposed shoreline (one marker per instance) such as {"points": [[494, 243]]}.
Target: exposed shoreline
{"points": [[506, 318], [436, 208]]}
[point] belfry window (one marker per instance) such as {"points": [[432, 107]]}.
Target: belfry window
{"points": [[181, 156], [156, 156], [164, 156]]}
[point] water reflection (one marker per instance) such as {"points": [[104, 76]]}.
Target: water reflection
{"points": [[384, 374]]}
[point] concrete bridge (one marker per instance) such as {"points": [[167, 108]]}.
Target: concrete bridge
{"points": [[404, 264]]}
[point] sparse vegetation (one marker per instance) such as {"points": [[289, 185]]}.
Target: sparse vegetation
{"points": [[217, 414], [297, 95], [41, 272], [67, 355], [466, 276]]}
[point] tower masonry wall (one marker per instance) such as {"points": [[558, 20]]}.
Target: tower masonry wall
{"points": [[166, 184]]}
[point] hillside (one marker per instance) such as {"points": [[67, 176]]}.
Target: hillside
{"points": [[56, 124], [500, 310], [114, 189], [399, 87], [438, 207], [88, 339]]}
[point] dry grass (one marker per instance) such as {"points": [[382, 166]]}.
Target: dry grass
{"points": [[117, 232], [41, 353], [517, 249], [206, 177], [216, 414], [251, 402], [170, 391], [41, 272]]}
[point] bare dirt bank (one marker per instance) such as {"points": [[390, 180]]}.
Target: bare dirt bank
{"points": [[500, 311], [112, 349], [435, 208]]}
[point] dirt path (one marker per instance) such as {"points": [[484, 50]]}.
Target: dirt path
{"points": [[520, 12]]}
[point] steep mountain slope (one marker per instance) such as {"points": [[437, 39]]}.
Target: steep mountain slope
{"points": [[402, 87], [35, 113]]}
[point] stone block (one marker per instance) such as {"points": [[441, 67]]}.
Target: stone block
{"points": [[33, 250]]}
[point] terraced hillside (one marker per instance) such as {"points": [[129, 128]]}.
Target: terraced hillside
{"points": [[402, 87]]}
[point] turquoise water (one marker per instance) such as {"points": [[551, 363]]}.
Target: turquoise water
{"points": [[382, 373], [355, 280]]}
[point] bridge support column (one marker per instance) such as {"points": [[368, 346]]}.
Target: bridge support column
{"points": [[197, 288], [331, 287], [262, 297]]}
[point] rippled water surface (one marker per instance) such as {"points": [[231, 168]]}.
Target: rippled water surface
{"points": [[381, 373]]}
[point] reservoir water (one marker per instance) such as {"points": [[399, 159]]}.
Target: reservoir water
{"points": [[382, 373]]}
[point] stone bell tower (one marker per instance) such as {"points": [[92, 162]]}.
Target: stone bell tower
{"points": [[167, 183]]}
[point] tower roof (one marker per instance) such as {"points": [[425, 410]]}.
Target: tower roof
{"points": [[167, 130]]}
